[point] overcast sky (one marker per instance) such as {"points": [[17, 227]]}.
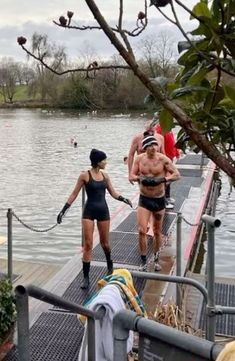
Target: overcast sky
{"points": [[24, 17]]}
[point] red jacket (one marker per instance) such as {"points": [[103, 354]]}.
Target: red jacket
{"points": [[170, 149]]}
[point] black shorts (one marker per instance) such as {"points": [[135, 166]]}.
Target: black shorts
{"points": [[98, 211], [152, 204]]}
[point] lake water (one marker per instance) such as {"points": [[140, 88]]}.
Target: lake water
{"points": [[39, 167]]}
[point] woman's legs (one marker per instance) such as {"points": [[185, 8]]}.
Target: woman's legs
{"points": [[88, 229], [103, 228]]}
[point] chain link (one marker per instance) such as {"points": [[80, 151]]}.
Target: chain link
{"points": [[191, 224], [52, 227], [32, 228]]}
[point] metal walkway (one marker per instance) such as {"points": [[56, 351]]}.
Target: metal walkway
{"points": [[225, 324], [57, 334]]}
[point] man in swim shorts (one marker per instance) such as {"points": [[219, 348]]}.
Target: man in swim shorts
{"points": [[151, 170], [136, 145]]}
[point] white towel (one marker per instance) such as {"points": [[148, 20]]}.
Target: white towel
{"points": [[109, 297]]}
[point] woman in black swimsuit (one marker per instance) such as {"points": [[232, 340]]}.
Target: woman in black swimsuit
{"points": [[95, 182]]}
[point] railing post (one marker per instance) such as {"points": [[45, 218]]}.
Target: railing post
{"points": [[121, 327], [22, 306], [211, 223], [22, 293], [9, 243], [91, 339], [178, 259]]}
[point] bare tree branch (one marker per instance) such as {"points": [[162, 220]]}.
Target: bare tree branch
{"points": [[133, 33], [183, 119], [40, 59]]}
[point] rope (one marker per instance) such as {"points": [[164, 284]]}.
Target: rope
{"points": [[32, 228]]}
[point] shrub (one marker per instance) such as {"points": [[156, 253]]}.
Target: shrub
{"points": [[7, 308]]}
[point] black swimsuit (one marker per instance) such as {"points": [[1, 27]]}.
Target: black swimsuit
{"points": [[96, 206]]}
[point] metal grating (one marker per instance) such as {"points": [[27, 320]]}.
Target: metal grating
{"points": [[75, 294], [194, 159], [55, 336], [180, 190], [129, 224], [185, 183], [190, 172], [168, 220], [125, 248], [224, 296], [179, 199]]}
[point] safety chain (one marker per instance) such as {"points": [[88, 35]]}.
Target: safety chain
{"points": [[32, 228], [192, 224]]}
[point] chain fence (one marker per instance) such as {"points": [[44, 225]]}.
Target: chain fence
{"points": [[33, 228], [192, 224]]}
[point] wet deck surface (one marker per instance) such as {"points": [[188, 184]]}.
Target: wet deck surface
{"points": [[56, 335], [30, 272]]}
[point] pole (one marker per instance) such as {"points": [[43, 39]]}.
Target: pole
{"points": [[211, 282], [211, 223], [22, 306], [91, 339], [178, 259], [9, 243]]}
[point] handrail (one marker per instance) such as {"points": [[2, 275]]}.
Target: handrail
{"points": [[22, 304], [161, 336], [173, 279]]}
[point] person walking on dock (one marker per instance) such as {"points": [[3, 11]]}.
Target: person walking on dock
{"points": [[171, 152], [95, 182], [136, 145], [151, 170]]}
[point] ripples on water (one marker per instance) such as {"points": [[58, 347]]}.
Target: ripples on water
{"points": [[225, 234], [39, 168]]}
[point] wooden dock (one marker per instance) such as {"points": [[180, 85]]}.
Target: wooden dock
{"points": [[30, 272]]}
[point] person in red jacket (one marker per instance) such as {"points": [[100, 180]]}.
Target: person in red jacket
{"points": [[171, 152]]}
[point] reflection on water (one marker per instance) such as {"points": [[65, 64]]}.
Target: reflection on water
{"points": [[225, 234], [39, 167]]}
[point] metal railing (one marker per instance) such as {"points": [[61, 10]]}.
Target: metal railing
{"points": [[179, 219], [10, 215], [159, 342], [22, 304], [208, 293]]}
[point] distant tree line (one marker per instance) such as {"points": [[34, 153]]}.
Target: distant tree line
{"points": [[112, 88]]}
